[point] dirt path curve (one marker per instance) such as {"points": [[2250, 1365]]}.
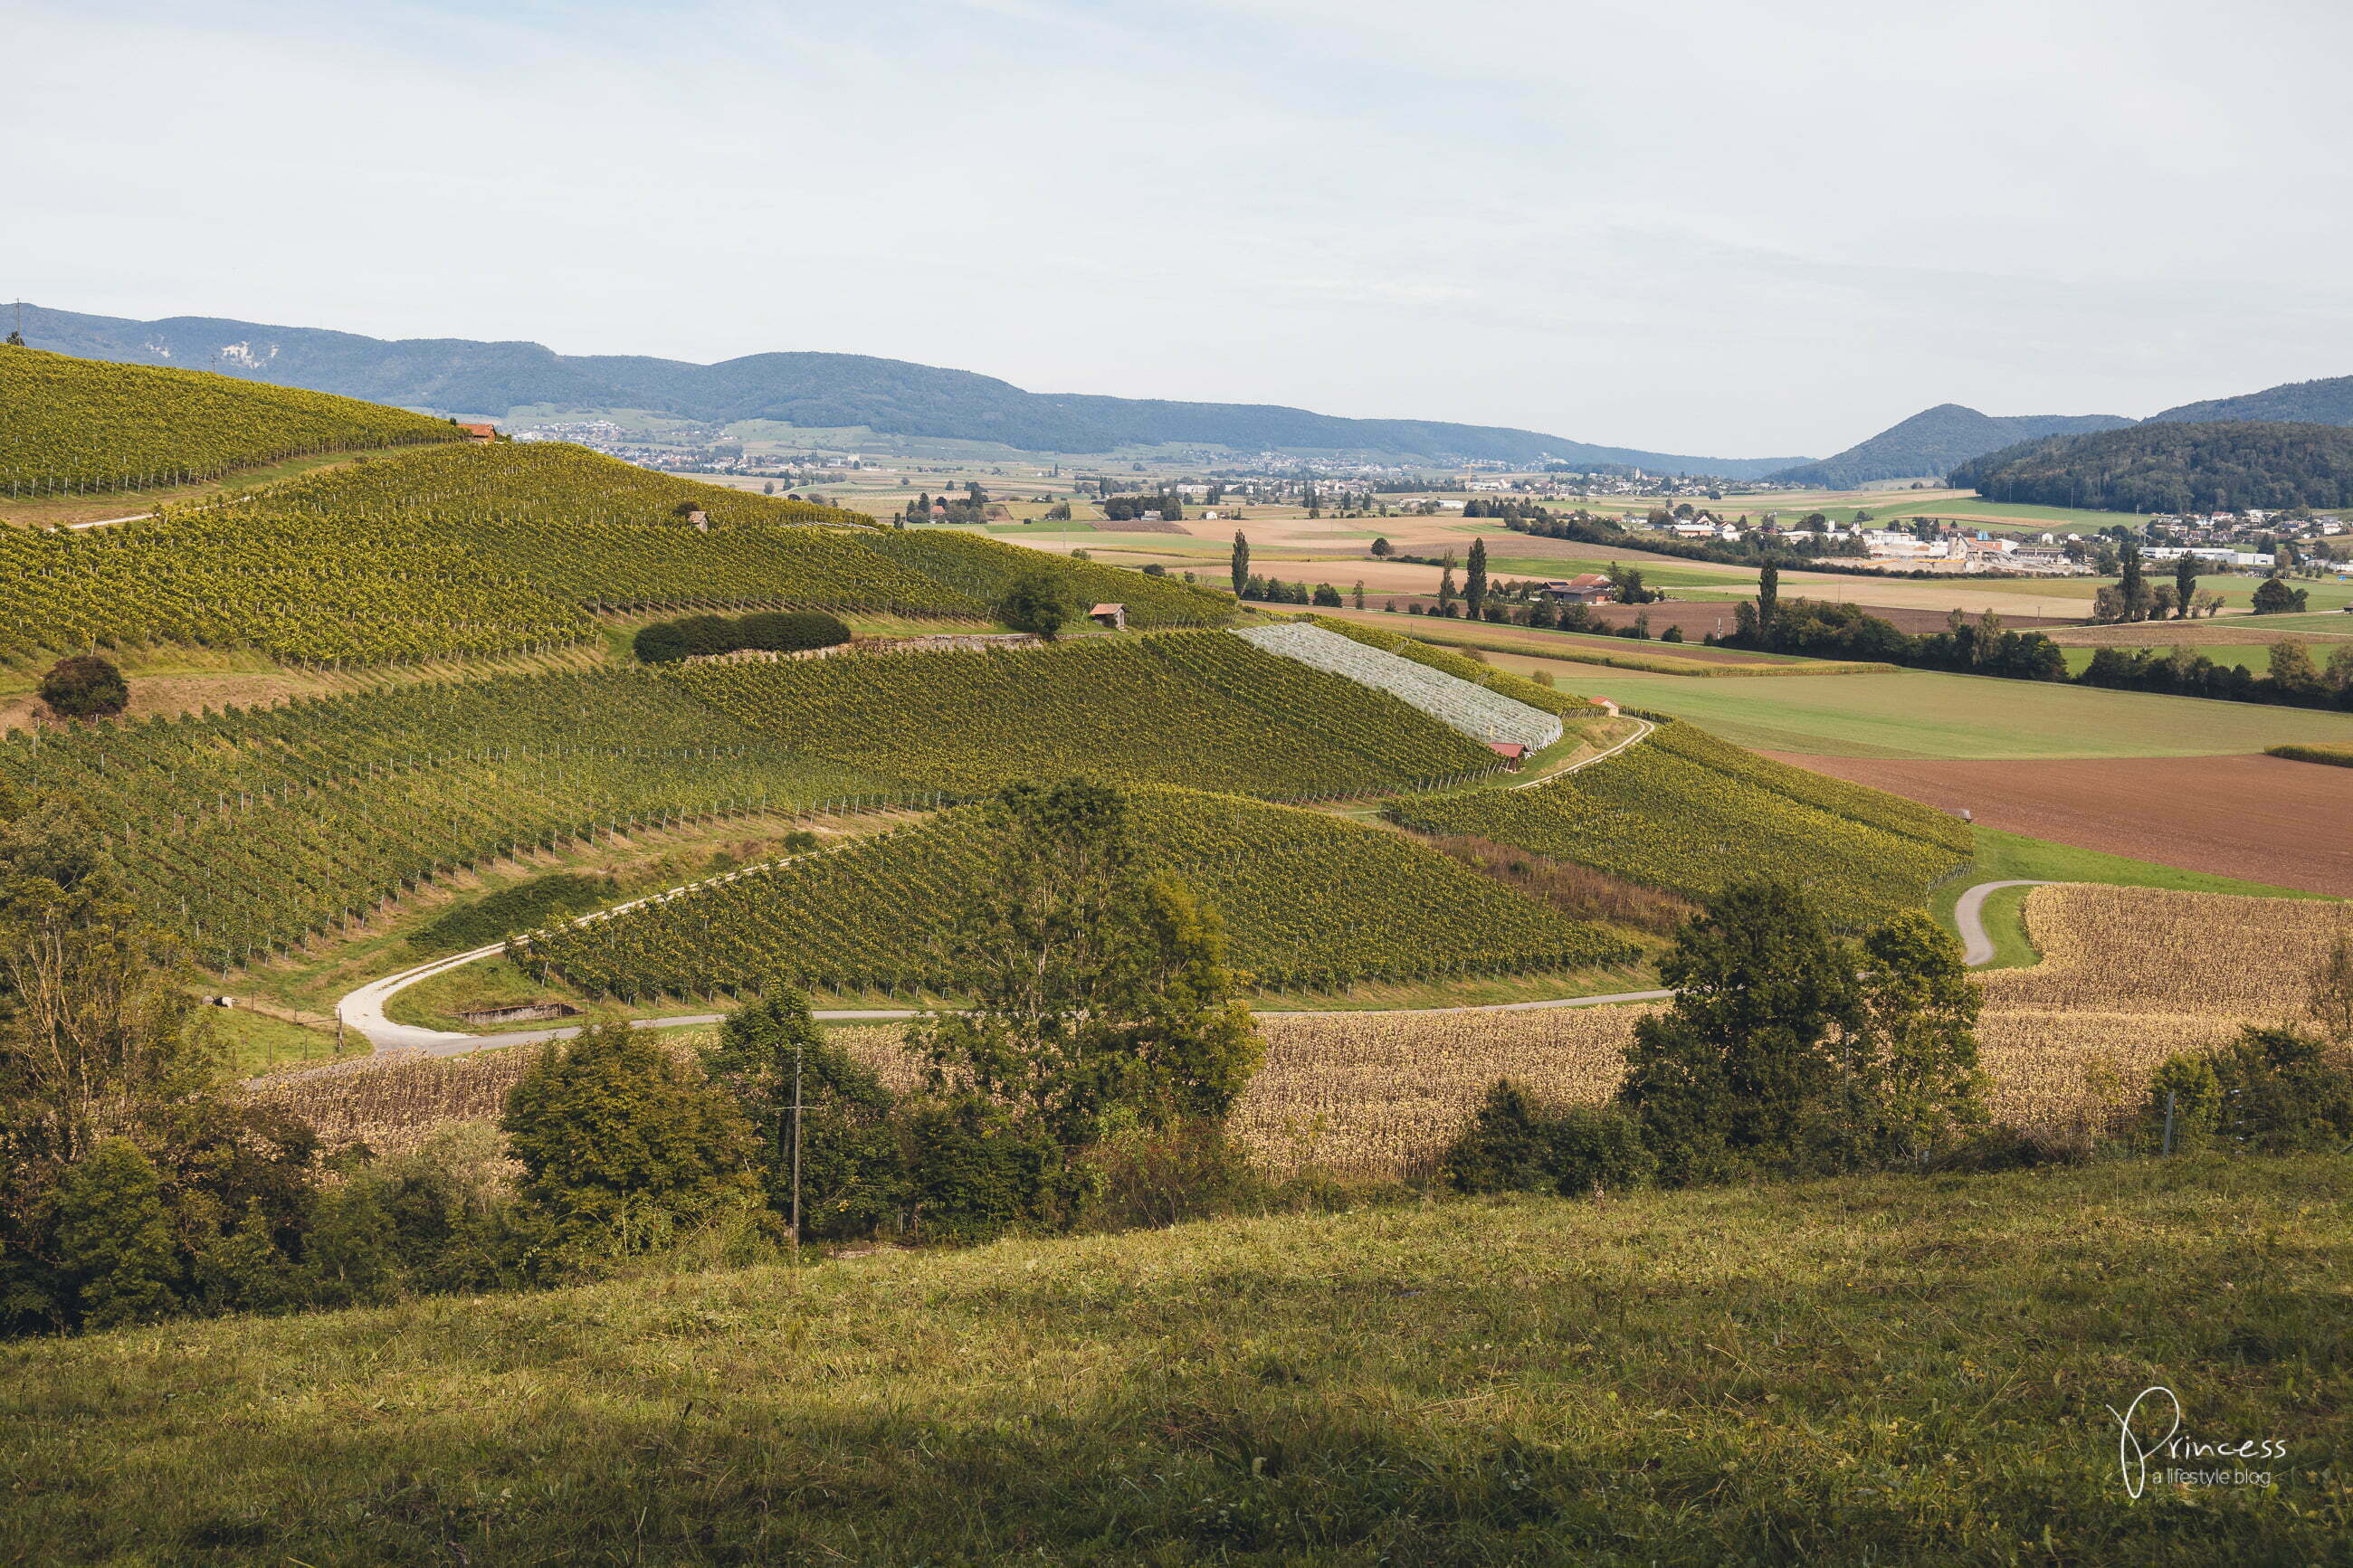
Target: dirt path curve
{"points": [[1968, 917]]}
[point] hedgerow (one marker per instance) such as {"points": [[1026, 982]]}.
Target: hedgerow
{"points": [[1689, 812], [1199, 709], [1309, 899], [77, 426]]}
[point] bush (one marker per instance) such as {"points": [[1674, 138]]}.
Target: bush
{"points": [[975, 1175], [704, 635], [85, 686], [778, 631], [661, 642], [1515, 1144], [114, 1236], [1035, 604], [2272, 1090], [1153, 1177]]}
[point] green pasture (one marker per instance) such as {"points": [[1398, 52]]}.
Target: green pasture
{"points": [[1920, 713]]}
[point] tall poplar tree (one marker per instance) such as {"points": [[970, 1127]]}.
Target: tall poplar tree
{"points": [[1475, 579], [1241, 562]]}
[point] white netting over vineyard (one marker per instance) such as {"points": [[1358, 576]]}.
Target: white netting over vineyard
{"points": [[1472, 709]]}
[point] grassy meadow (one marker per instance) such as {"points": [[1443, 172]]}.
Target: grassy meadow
{"points": [[1924, 1365]]}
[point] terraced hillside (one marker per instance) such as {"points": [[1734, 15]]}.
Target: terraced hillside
{"points": [[472, 550], [1309, 901], [1200, 709], [77, 426], [1486, 716], [1688, 812], [246, 832]]}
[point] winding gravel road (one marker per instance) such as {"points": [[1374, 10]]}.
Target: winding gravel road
{"points": [[363, 1012]]}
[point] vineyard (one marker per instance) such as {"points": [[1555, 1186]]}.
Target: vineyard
{"points": [[473, 550], [1687, 811], [1201, 709], [1309, 901], [84, 427], [246, 832]]}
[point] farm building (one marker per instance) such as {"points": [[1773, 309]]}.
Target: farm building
{"points": [[479, 432], [1112, 616], [1584, 588]]}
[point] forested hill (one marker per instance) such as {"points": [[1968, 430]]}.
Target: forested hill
{"points": [[820, 391], [2168, 466], [1933, 441], [2328, 402]]}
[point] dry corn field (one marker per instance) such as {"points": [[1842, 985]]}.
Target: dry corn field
{"points": [[2129, 976]]}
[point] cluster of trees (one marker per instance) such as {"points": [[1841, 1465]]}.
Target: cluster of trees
{"points": [[972, 507], [2161, 466], [1127, 509], [2278, 1088], [1089, 1082], [1275, 591], [2293, 677], [1786, 1052], [778, 631]]}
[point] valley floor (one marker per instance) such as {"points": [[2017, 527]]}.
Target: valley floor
{"points": [[1916, 1369]]}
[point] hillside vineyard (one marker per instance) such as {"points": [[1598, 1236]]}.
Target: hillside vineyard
{"points": [[478, 549], [77, 427], [1309, 901]]}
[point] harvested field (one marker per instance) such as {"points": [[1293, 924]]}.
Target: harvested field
{"points": [[2129, 976], [2261, 819], [2228, 631]]}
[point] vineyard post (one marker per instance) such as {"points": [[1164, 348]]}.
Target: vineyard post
{"points": [[2168, 1120]]}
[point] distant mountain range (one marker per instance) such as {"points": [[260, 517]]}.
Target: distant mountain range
{"points": [[1934, 440], [815, 391]]}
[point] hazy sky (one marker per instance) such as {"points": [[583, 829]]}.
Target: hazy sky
{"points": [[1731, 228]]}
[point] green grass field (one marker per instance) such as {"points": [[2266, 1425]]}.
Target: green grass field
{"points": [[1921, 714], [1901, 1370]]}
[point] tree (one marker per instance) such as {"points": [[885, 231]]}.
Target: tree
{"points": [[2274, 598], [1769, 599], [1240, 563], [2185, 585], [85, 686], [1035, 604], [840, 1166], [2132, 587], [2292, 672], [1358, 595], [1383, 549], [624, 1146], [1100, 994], [1446, 586], [1475, 579], [1915, 1053], [114, 1236], [1742, 1071]]}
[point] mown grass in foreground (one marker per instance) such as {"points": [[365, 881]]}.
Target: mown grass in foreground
{"points": [[1898, 1370]]}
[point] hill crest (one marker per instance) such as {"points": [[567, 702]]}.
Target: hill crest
{"points": [[1934, 440]]}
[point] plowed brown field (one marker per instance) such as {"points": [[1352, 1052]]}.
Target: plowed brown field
{"points": [[2263, 819]]}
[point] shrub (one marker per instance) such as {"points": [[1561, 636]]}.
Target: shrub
{"points": [[1515, 1144], [973, 1175], [771, 1053], [85, 686], [2272, 1090], [114, 1235], [779, 631], [661, 642], [1152, 1177], [704, 635], [623, 1147], [1035, 603]]}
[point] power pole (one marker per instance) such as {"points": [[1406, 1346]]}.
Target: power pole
{"points": [[798, 1051]]}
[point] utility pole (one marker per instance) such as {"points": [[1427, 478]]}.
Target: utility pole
{"points": [[798, 1051]]}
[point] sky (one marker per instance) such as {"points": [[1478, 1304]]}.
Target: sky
{"points": [[1723, 227]]}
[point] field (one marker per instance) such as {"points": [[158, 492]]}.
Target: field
{"points": [[1202, 708], [2265, 819], [1309, 901], [82, 426], [2244, 631], [1923, 714], [1685, 812]]}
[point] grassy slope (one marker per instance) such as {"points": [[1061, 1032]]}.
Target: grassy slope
{"points": [[1922, 1364]]}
